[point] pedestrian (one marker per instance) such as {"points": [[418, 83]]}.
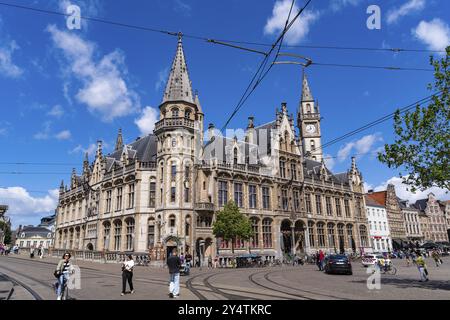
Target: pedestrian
{"points": [[188, 259], [31, 252], [321, 260], [422, 267], [210, 265], [174, 264], [39, 250], [41, 254], [435, 256], [408, 259], [216, 262], [127, 274], [62, 273]]}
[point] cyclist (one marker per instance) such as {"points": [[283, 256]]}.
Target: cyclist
{"points": [[62, 273]]}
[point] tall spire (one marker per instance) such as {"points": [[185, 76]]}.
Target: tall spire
{"points": [[119, 140], [179, 87], [306, 91]]}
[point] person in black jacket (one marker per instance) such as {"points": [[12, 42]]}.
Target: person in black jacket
{"points": [[174, 264]]}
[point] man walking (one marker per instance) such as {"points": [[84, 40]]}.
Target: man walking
{"points": [[422, 267], [436, 258], [174, 264]]}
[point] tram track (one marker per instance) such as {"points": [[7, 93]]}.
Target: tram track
{"points": [[16, 282]]}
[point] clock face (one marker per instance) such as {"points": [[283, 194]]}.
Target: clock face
{"points": [[310, 128]]}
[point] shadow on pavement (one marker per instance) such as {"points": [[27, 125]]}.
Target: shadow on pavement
{"points": [[409, 283]]}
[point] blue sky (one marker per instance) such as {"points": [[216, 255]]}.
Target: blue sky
{"points": [[61, 90]]}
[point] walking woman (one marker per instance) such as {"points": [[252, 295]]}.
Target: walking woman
{"points": [[127, 274], [422, 268], [62, 273]]}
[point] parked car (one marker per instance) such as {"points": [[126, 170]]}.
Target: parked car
{"points": [[338, 263], [373, 258]]}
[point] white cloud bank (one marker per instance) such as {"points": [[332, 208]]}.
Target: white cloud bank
{"points": [[146, 121], [435, 34], [361, 147], [104, 90], [299, 30], [7, 67]]}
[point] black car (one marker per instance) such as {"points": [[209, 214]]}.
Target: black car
{"points": [[338, 264]]}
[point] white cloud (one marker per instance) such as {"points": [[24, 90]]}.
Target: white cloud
{"points": [[91, 149], [104, 90], [329, 161], [337, 5], [407, 8], [162, 78], [63, 135], [182, 7], [403, 191], [7, 66], [23, 205], [361, 146], [57, 111], [45, 133], [299, 30], [146, 122], [435, 34]]}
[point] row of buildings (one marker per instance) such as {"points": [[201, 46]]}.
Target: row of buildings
{"points": [[164, 190]]}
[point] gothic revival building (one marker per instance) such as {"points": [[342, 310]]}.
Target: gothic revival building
{"points": [[165, 189]]}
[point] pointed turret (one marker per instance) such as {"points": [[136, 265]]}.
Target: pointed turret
{"points": [[306, 91], [99, 152], [119, 141], [197, 102], [86, 164], [61, 187], [179, 86]]}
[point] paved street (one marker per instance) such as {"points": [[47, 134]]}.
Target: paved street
{"points": [[32, 279]]}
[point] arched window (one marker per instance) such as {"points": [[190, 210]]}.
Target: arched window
{"points": [[311, 234], [267, 233], [331, 235], [151, 233], [172, 221], [130, 233], [350, 236], [117, 235], [187, 113], [363, 235], [175, 113], [321, 234], [341, 236], [308, 108], [106, 234]]}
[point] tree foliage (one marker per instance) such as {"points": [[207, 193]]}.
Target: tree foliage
{"points": [[7, 231], [231, 224], [422, 136]]}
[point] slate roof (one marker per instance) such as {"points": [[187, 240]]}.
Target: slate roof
{"points": [[143, 150]]}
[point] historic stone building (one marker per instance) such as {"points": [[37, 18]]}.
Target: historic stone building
{"points": [[412, 221], [437, 224], [165, 189]]}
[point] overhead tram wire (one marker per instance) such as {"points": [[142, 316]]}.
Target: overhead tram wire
{"points": [[378, 121], [370, 67], [260, 70], [218, 41]]}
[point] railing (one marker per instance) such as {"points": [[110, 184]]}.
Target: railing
{"points": [[307, 116], [174, 122], [238, 167], [204, 206], [147, 165], [98, 256], [130, 167]]}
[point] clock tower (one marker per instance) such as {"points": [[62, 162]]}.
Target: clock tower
{"points": [[308, 122]]}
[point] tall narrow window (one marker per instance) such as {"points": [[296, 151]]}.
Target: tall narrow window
{"points": [[108, 201], [308, 203], [119, 198], [328, 205], [363, 235], [117, 234], [321, 234], [173, 172], [151, 234], [223, 193], [266, 197], [311, 234], [267, 233], [152, 197], [338, 207], [252, 196], [175, 113], [318, 204], [341, 237], [331, 235], [347, 208], [131, 195], [282, 169], [106, 234], [187, 192], [235, 156], [130, 234], [284, 200], [296, 200], [294, 171], [173, 194], [187, 173], [238, 194], [255, 238]]}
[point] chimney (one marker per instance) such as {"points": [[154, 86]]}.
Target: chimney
{"points": [[251, 122]]}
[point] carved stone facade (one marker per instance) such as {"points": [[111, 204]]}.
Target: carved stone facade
{"points": [[164, 190]]}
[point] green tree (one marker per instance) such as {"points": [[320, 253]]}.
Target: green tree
{"points": [[7, 232], [231, 224], [422, 136]]}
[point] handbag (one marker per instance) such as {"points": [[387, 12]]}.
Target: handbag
{"points": [[56, 274]]}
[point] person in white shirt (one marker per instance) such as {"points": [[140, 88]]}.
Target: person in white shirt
{"points": [[127, 274]]}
